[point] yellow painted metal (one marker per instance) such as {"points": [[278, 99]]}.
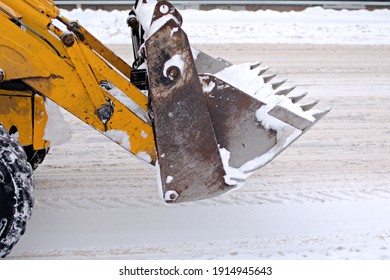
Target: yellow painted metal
{"points": [[16, 110], [26, 112], [105, 52], [46, 6], [105, 72], [9, 10], [37, 15], [40, 119], [100, 65], [14, 59], [86, 77], [70, 76]]}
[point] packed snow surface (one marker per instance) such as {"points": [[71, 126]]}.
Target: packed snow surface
{"points": [[326, 197], [314, 25]]}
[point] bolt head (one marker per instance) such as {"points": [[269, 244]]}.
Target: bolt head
{"points": [[105, 112], [173, 73], [68, 39], [164, 9], [132, 22], [171, 196]]}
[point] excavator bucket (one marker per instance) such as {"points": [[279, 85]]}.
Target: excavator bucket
{"points": [[214, 122]]}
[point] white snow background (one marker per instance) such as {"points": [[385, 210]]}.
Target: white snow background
{"points": [[314, 25]]}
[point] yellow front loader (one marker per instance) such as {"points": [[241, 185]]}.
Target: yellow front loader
{"points": [[176, 108]]}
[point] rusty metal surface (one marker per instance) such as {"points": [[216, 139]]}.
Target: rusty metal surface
{"points": [[233, 114], [188, 155]]}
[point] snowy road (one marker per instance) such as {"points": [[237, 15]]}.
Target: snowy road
{"points": [[326, 197]]}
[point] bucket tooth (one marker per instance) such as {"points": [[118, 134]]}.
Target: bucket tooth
{"points": [[320, 114], [278, 84], [285, 91], [269, 78], [262, 71], [254, 66], [308, 106], [317, 115], [297, 98]]}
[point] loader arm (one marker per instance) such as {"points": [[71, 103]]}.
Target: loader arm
{"points": [[76, 71]]}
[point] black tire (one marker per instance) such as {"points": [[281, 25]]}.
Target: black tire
{"points": [[16, 191]]}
